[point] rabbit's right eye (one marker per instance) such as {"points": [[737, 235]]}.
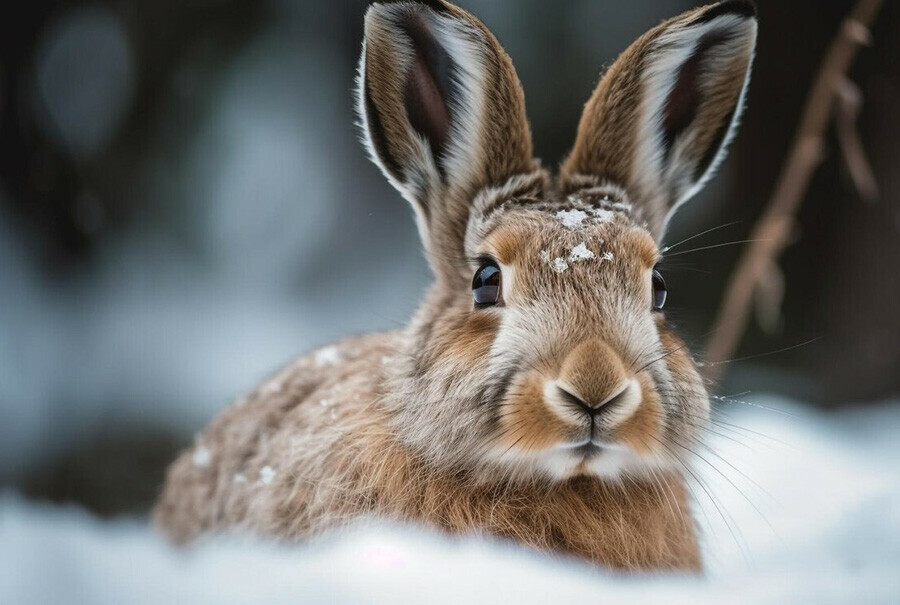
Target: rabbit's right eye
{"points": [[486, 285]]}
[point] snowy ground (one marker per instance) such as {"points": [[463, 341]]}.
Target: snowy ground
{"points": [[813, 516]]}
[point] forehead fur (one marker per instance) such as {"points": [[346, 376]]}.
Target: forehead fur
{"points": [[594, 231]]}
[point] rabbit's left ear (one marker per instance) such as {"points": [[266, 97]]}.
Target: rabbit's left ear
{"points": [[660, 119]]}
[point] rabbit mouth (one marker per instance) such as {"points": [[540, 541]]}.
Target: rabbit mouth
{"points": [[591, 458], [591, 447], [588, 450]]}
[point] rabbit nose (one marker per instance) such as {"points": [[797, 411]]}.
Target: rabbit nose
{"points": [[594, 408], [593, 373]]}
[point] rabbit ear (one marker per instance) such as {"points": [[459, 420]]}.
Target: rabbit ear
{"points": [[661, 118], [442, 111]]}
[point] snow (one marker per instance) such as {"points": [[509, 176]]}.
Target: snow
{"points": [[329, 356], [571, 219], [213, 277], [575, 218], [559, 264], [603, 215], [580, 253], [266, 474], [822, 525], [202, 457], [274, 386]]}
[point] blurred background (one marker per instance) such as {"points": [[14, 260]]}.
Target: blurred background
{"points": [[184, 207]]}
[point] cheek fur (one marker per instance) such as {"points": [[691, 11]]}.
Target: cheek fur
{"points": [[526, 423], [464, 340], [687, 385]]}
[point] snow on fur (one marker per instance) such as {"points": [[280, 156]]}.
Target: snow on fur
{"points": [[266, 474], [559, 264], [329, 356], [603, 215], [571, 219], [202, 457], [581, 253]]}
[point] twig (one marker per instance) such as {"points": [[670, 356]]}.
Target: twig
{"points": [[848, 108], [772, 232]]}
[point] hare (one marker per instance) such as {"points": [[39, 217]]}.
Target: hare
{"points": [[537, 394]]}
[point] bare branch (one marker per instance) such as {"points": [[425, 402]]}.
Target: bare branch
{"points": [[772, 232], [848, 108]]}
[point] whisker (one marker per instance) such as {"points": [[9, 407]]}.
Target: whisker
{"points": [[735, 243], [758, 355], [755, 405], [703, 486], [687, 239], [728, 479]]}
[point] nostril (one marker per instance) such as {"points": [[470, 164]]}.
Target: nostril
{"points": [[613, 401], [576, 400], [616, 399]]}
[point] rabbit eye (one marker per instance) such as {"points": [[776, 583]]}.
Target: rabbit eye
{"points": [[659, 291], [486, 285]]}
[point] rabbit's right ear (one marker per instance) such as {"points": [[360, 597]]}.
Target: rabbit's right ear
{"points": [[661, 117], [442, 112]]}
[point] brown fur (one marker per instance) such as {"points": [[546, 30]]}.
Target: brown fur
{"points": [[465, 421], [608, 132], [320, 481]]}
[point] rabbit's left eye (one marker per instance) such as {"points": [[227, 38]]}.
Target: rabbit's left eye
{"points": [[659, 291], [486, 285]]}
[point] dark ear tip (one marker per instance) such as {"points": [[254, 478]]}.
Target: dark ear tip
{"points": [[375, 7], [743, 8], [437, 5]]}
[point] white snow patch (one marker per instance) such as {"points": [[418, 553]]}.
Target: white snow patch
{"points": [[325, 402], [266, 474], [274, 386], [571, 219], [580, 253], [240, 478], [329, 356], [607, 256], [603, 215], [202, 457], [559, 264], [545, 256]]}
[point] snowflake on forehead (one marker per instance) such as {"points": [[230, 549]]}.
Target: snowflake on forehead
{"points": [[581, 253], [572, 219], [559, 264], [603, 215]]}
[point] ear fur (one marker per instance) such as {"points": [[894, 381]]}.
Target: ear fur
{"points": [[661, 118], [442, 113]]}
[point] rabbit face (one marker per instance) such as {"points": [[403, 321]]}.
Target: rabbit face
{"points": [[572, 370], [540, 351], [577, 342]]}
